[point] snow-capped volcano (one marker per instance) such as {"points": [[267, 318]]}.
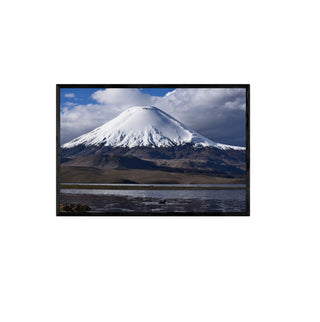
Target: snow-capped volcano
{"points": [[144, 126]]}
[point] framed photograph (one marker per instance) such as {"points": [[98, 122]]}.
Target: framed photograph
{"points": [[159, 150]]}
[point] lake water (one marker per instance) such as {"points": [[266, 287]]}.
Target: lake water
{"points": [[159, 201]]}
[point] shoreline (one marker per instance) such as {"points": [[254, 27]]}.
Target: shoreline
{"points": [[125, 187]]}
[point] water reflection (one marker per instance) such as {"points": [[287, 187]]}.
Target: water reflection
{"points": [[155, 201]]}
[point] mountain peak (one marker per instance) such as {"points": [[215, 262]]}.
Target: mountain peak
{"points": [[141, 108], [144, 126]]}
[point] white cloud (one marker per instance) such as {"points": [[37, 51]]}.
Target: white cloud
{"points": [[169, 93], [69, 95], [83, 118], [121, 97], [217, 113]]}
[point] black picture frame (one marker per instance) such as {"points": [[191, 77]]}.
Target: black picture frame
{"points": [[238, 214]]}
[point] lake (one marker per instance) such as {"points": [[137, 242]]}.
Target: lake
{"points": [[159, 201]]}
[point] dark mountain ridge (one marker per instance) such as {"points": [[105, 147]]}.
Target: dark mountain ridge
{"points": [[183, 158]]}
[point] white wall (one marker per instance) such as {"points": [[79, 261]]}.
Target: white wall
{"points": [[262, 268]]}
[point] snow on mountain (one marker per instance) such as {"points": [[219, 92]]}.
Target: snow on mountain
{"points": [[144, 126]]}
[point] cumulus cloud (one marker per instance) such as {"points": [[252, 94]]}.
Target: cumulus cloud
{"points": [[69, 95], [83, 118], [217, 113], [121, 97]]}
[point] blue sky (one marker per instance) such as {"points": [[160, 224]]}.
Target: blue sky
{"points": [[78, 96], [160, 92], [216, 113]]}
